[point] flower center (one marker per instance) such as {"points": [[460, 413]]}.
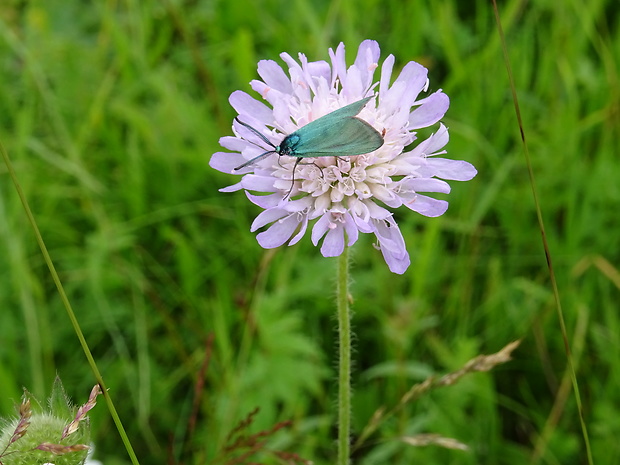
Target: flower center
{"points": [[340, 177]]}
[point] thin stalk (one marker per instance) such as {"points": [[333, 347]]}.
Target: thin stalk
{"points": [[65, 301], [344, 361], [541, 226]]}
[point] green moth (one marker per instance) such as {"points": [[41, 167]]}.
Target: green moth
{"points": [[337, 134]]}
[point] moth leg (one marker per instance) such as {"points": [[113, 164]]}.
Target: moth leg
{"points": [[343, 159], [320, 168], [292, 179]]}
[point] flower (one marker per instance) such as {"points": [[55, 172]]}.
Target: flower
{"points": [[345, 194]]}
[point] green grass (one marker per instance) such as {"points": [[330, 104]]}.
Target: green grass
{"points": [[110, 114]]}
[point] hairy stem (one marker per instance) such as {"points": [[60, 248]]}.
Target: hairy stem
{"points": [[344, 362]]}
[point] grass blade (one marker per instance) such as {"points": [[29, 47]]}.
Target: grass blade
{"points": [[541, 226], [67, 304]]}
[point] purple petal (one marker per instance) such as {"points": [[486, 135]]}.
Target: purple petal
{"points": [[350, 228], [358, 208], [392, 245], [366, 61], [246, 105], [225, 161], [233, 188], [268, 216], [282, 114], [265, 201], [415, 77], [333, 244], [278, 233], [339, 65], [433, 108], [362, 225], [268, 93], [234, 143], [427, 185], [308, 81], [390, 237], [429, 147], [274, 76], [386, 76], [352, 86], [258, 183], [302, 230], [360, 214], [402, 94], [427, 206], [316, 70], [320, 228], [456, 170], [394, 202], [299, 205], [377, 212], [381, 192], [396, 263], [437, 140], [300, 89]]}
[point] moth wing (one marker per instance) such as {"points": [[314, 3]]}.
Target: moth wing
{"points": [[352, 109], [341, 136], [324, 123]]}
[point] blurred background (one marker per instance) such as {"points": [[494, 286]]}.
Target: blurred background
{"points": [[110, 112]]}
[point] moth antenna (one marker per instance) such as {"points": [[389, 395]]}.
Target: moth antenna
{"points": [[249, 162], [262, 136]]}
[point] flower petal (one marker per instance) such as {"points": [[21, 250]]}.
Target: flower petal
{"points": [[333, 244], [456, 170], [433, 108], [248, 106], [320, 228], [274, 76], [265, 201], [415, 77], [232, 188], [366, 61], [427, 206], [392, 245], [396, 263], [278, 233], [339, 66], [386, 76], [268, 216], [302, 231], [437, 140], [426, 185], [351, 229], [258, 183], [225, 161]]}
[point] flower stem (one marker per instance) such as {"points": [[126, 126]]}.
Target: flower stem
{"points": [[344, 363]]}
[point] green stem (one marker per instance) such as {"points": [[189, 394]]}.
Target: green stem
{"points": [[541, 227], [344, 363], [69, 309]]}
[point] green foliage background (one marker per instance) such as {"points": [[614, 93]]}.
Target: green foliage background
{"points": [[110, 111]]}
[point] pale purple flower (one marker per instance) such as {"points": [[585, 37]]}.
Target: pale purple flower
{"points": [[345, 195]]}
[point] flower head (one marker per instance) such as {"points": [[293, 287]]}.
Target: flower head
{"points": [[345, 194]]}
